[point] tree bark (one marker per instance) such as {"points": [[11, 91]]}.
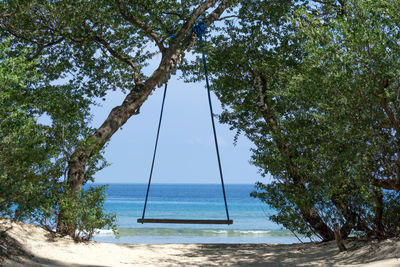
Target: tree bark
{"points": [[380, 229], [338, 238]]}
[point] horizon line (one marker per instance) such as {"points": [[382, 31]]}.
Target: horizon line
{"points": [[169, 183]]}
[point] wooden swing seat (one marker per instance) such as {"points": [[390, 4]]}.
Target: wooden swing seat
{"points": [[185, 221]]}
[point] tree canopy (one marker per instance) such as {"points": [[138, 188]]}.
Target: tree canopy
{"points": [[87, 48], [315, 86]]}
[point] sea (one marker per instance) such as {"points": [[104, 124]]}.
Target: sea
{"points": [[190, 201]]}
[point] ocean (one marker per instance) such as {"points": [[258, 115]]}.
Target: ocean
{"points": [[190, 201]]}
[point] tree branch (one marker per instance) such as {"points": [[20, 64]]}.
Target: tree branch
{"points": [[140, 25], [159, 20], [214, 16], [397, 167], [390, 115], [385, 184], [17, 35], [121, 57], [41, 47], [174, 14], [188, 25], [396, 125], [326, 3], [227, 17]]}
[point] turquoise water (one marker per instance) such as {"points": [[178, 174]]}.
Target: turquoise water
{"points": [[190, 201]]}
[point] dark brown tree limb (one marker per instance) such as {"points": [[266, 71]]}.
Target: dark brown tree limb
{"points": [[188, 25], [190, 40], [134, 21], [380, 229], [121, 57], [397, 168], [390, 114], [388, 184], [308, 214], [338, 238], [41, 47]]}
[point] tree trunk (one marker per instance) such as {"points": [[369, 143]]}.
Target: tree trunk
{"points": [[318, 225], [338, 238], [309, 214], [349, 215], [380, 229]]}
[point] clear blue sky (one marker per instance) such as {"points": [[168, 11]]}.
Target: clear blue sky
{"points": [[186, 152]]}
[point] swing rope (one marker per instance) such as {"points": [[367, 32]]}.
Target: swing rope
{"points": [[155, 150], [199, 29]]}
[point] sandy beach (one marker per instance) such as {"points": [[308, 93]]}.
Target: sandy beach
{"points": [[29, 245]]}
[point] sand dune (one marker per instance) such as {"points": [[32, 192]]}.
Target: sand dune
{"points": [[36, 247]]}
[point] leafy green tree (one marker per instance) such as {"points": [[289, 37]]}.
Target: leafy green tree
{"points": [[21, 138], [314, 85], [34, 154], [97, 46]]}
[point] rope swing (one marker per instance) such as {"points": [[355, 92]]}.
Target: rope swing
{"points": [[199, 29]]}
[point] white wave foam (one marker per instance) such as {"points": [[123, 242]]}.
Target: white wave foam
{"points": [[103, 232], [253, 231]]}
